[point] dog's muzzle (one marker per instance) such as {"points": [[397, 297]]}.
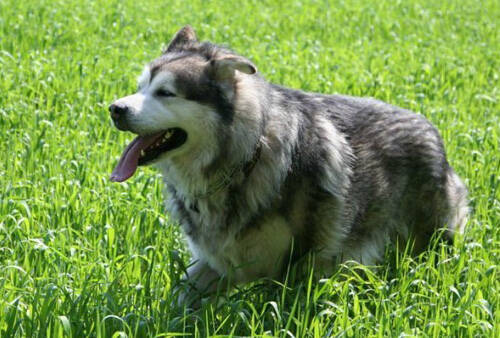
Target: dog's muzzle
{"points": [[119, 112]]}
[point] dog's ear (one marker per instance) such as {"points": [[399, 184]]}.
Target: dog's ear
{"points": [[223, 70], [224, 67], [184, 36]]}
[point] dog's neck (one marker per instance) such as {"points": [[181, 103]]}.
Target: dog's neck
{"points": [[193, 184], [226, 177]]}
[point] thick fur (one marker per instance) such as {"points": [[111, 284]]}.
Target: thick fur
{"points": [[336, 175]]}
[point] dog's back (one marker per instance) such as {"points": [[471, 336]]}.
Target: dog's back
{"points": [[401, 180], [400, 184]]}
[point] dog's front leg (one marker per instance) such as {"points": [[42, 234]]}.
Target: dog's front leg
{"points": [[201, 280]]}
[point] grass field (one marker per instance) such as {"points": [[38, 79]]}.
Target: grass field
{"points": [[81, 256]]}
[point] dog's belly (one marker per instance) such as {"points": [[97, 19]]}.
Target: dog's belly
{"points": [[259, 251]]}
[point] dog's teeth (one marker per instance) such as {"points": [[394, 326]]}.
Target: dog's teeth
{"points": [[168, 135]]}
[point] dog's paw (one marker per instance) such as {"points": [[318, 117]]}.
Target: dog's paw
{"points": [[186, 296]]}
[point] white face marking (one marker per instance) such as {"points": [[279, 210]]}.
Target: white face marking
{"points": [[151, 113], [163, 80], [143, 79]]}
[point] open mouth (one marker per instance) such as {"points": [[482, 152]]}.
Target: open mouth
{"points": [[168, 140], [145, 149]]}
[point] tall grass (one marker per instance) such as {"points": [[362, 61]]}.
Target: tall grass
{"points": [[80, 256]]}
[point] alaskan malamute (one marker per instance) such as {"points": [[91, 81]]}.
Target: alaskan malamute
{"points": [[258, 175]]}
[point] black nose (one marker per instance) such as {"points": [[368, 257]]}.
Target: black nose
{"points": [[118, 111]]}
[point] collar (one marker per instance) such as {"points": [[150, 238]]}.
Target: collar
{"points": [[227, 176]]}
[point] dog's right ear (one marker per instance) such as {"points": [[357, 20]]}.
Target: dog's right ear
{"points": [[184, 36]]}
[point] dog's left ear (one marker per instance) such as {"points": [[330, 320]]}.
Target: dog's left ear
{"points": [[223, 71], [225, 67], [184, 36]]}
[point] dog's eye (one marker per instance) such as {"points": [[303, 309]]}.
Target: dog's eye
{"points": [[164, 93]]}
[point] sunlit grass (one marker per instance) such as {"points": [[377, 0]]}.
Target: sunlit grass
{"points": [[81, 256]]}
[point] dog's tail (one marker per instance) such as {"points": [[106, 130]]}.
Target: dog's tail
{"points": [[458, 209]]}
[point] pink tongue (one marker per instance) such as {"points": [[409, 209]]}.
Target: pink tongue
{"points": [[130, 158]]}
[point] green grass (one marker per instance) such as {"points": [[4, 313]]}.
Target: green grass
{"points": [[81, 256]]}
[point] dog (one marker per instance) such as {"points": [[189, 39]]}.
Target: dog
{"points": [[259, 175]]}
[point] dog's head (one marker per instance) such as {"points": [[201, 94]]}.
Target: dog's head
{"points": [[186, 104]]}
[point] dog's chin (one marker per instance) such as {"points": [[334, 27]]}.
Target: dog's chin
{"points": [[171, 140]]}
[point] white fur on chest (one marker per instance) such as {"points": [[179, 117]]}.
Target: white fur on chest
{"points": [[258, 251]]}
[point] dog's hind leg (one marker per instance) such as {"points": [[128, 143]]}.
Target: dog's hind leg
{"points": [[444, 208]]}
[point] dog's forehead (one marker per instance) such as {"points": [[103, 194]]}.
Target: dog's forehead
{"points": [[184, 74], [179, 65]]}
